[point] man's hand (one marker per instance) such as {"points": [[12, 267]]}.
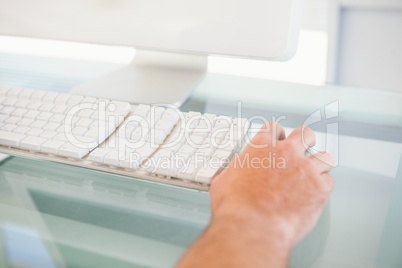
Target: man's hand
{"points": [[265, 202]]}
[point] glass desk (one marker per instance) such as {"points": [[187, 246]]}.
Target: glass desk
{"points": [[54, 215]]}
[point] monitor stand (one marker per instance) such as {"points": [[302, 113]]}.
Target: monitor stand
{"points": [[153, 77]]}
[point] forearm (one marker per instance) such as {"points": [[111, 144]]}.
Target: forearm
{"points": [[231, 243]]}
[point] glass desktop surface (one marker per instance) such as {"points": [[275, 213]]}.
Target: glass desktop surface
{"points": [[55, 215]]}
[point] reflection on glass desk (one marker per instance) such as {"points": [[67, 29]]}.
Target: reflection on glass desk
{"points": [[88, 219], [66, 217]]}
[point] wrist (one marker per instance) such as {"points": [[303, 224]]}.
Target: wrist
{"points": [[276, 235]]}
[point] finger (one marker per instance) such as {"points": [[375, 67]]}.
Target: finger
{"points": [[269, 134], [323, 162], [303, 138]]}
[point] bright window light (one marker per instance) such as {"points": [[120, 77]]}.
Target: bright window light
{"points": [[308, 65], [65, 50]]}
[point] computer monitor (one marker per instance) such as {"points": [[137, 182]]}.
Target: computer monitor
{"points": [[172, 37]]}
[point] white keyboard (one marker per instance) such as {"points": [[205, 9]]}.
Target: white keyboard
{"points": [[150, 142]]}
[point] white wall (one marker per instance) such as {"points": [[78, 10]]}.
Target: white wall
{"points": [[365, 38]]}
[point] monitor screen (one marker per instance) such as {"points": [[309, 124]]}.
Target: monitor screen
{"points": [[253, 28]]}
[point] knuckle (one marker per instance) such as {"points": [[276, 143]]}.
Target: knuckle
{"points": [[259, 139], [272, 127], [298, 130], [272, 124]]}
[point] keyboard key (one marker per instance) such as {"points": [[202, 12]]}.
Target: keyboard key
{"points": [[157, 136], [9, 102], [34, 105], [62, 128], [81, 142], [132, 161], [172, 115], [188, 172], [156, 113], [34, 132], [79, 131], [32, 143], [7, 110], [50, 97], [173, 145], [61, 137], [149, 165], [19, 112], [165, 126], [22, 103], [12, 120], [187, 149], [89, 100], [205, 175], [48, 134], [25, 122], [21, 129], [69, 150], [31, 114], [74, 100], [52, 146], [37, 95], [145, 151], [45, 116], [195, 141], [25, 94], [8, 127], [140, 134], [121, 108], [62, 99], [96, 133], [191, 121], [3, 117], [112, 158], [223, 121], [98, 154], [86, 113], [60, 109], [142, 110], [13, 92], [47, 107], [10, 139], [38, 124], [84, 122], [222, 154], [57, 118], [170, 171], [205, 152], [4, 90]]}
